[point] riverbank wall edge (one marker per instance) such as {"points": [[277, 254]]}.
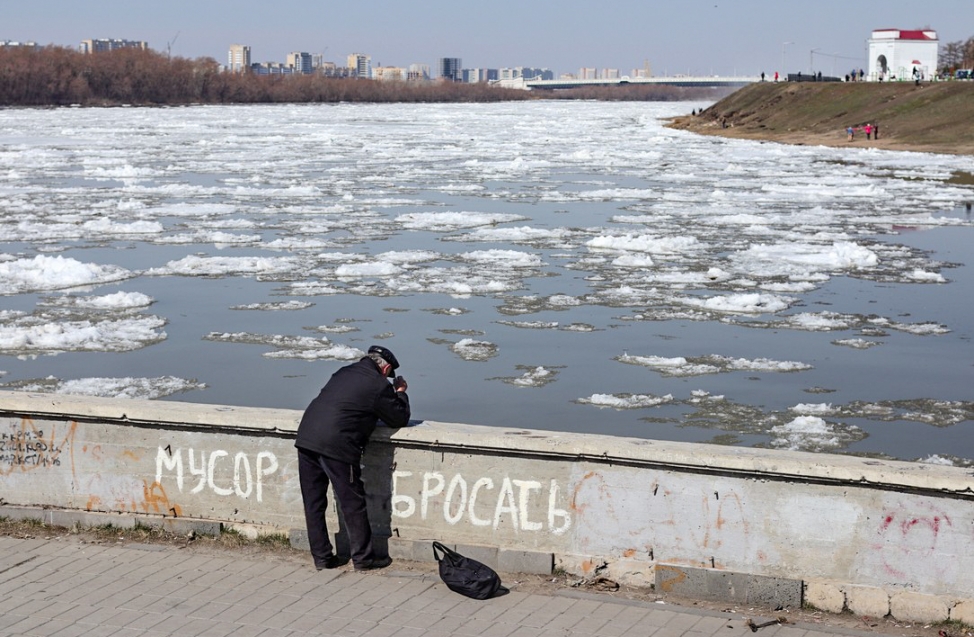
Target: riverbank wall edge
{"points": [[871, 536]]}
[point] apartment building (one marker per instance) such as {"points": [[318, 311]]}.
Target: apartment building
{"points": [[103, 45], [300, 62], [238, 59], [418, 72], [525, 72], [360, 65], [14, 45], [451, 69], [390, 73]]}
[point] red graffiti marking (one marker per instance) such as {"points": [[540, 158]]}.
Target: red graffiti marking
{"points": [[906, 538]]}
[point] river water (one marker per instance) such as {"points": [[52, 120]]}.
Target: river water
{"points": [[568, 266]]}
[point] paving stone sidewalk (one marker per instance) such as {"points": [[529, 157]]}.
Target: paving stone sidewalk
{"points": [[67, 589]]}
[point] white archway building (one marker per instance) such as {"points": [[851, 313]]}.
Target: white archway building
{"points": [[894, 53]]}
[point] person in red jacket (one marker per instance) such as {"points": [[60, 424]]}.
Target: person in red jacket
{"points": [[331, 438]]}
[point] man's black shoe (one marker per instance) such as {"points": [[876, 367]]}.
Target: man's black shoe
{"points": [[332, 562], [379, 562]]}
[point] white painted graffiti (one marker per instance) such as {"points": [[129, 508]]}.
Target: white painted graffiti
{"points": [[515, 502], [213, 471]]}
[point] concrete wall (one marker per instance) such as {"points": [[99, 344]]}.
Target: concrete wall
{"points": [[857, 534]]}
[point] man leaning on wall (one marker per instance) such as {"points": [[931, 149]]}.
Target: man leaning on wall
{"points": [[331, 438]]}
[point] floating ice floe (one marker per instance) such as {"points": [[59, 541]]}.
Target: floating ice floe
{"points": [[449, 311], [799, 258], [298, 347], [645, 243], [533, 325], [222, 266], [834, 321], [217, 238], [375, 268], [817, 409], [114, 301], [30, 335], [449, 221], [275, 307], [710, 364], [856, 343], [336, 329], [750, 303], [472, 350], [142, 388], [44, 273], [811, 433], [532, 377], [503, 258], [625, 401], [518, 235]]}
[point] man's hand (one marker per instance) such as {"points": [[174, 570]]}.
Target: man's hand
{"points": [[399, 384]]}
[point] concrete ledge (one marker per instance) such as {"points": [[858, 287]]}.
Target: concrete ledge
{"points": [[67, 518], [413, 550], [154, 412], [744, 588], [584, 565], [867, 601], [501, 559], [89, 519], [534, 562], [632, 572], [484, 554], [298, 539], [963, 612], [826, 596], [452, 436], [917, 607]]}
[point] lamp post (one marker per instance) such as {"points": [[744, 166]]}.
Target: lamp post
{"points": [[783, 45], [811, 61]]}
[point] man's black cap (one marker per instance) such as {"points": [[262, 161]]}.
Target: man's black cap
{"points": [[387, 356]]}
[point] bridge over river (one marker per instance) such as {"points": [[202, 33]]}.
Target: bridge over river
{"points": [[679, 80]]}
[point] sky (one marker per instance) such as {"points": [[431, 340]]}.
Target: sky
{"points": [[695, 37]]}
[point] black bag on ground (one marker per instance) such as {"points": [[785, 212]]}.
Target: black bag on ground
{"points": [[465, 575]]}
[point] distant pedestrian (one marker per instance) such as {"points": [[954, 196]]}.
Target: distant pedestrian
{"points": [[775, 76], [876, 131], [869, 130], [799, 76], [850, 133], [762, 76]]}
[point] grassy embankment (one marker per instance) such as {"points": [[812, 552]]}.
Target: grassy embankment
{"points": [[936, 117]]}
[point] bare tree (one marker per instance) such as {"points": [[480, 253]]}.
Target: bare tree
{"points": [[951, 56]]}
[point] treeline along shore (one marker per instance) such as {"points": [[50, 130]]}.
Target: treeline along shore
{"points": [[930, 117], [59, 76]]}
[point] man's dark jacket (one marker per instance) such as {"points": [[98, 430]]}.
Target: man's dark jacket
{"points": [[340, 420]]}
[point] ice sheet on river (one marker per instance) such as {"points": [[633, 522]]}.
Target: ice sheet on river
{"points": [[570, 232]]}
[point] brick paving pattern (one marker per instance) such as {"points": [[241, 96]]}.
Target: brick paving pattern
{"points": [[52, 588]]}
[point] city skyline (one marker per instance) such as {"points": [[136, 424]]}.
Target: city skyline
{"points": [[690, 37]]}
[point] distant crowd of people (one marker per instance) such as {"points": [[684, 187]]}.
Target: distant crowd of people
{"points": [[871, 131], [855, 75]]}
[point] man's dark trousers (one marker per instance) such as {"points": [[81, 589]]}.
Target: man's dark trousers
{"points": [[315, 471]]}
